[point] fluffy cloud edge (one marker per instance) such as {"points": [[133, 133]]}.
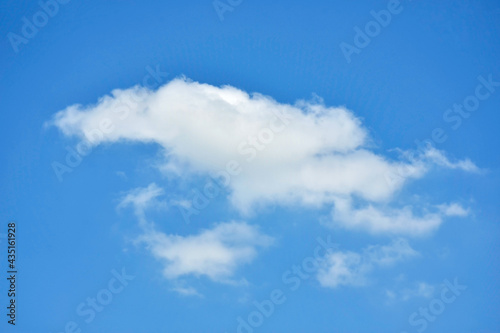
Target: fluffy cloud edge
{"points": [[348, 268], [307, 153], [378, 219], [216, 252]]}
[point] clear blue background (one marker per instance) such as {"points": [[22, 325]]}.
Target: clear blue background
{"points": [[71, 236]]}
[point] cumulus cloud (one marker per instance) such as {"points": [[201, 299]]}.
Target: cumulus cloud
{"points": [[215, 252], [305, 153], [347, 268]]}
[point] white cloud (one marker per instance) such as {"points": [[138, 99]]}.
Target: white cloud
{"points": [[305, 153], [454, 209], [186, 291], [343, 268], [216, 253], [142, 198], [420, 290], [383, 219], [352, 268], [439, 158]]}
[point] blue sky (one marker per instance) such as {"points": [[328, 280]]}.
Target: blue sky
{"points": [[330, 214]]}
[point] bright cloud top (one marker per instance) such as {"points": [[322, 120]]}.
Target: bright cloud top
{"points": [[305, 153], [346, 268]]}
